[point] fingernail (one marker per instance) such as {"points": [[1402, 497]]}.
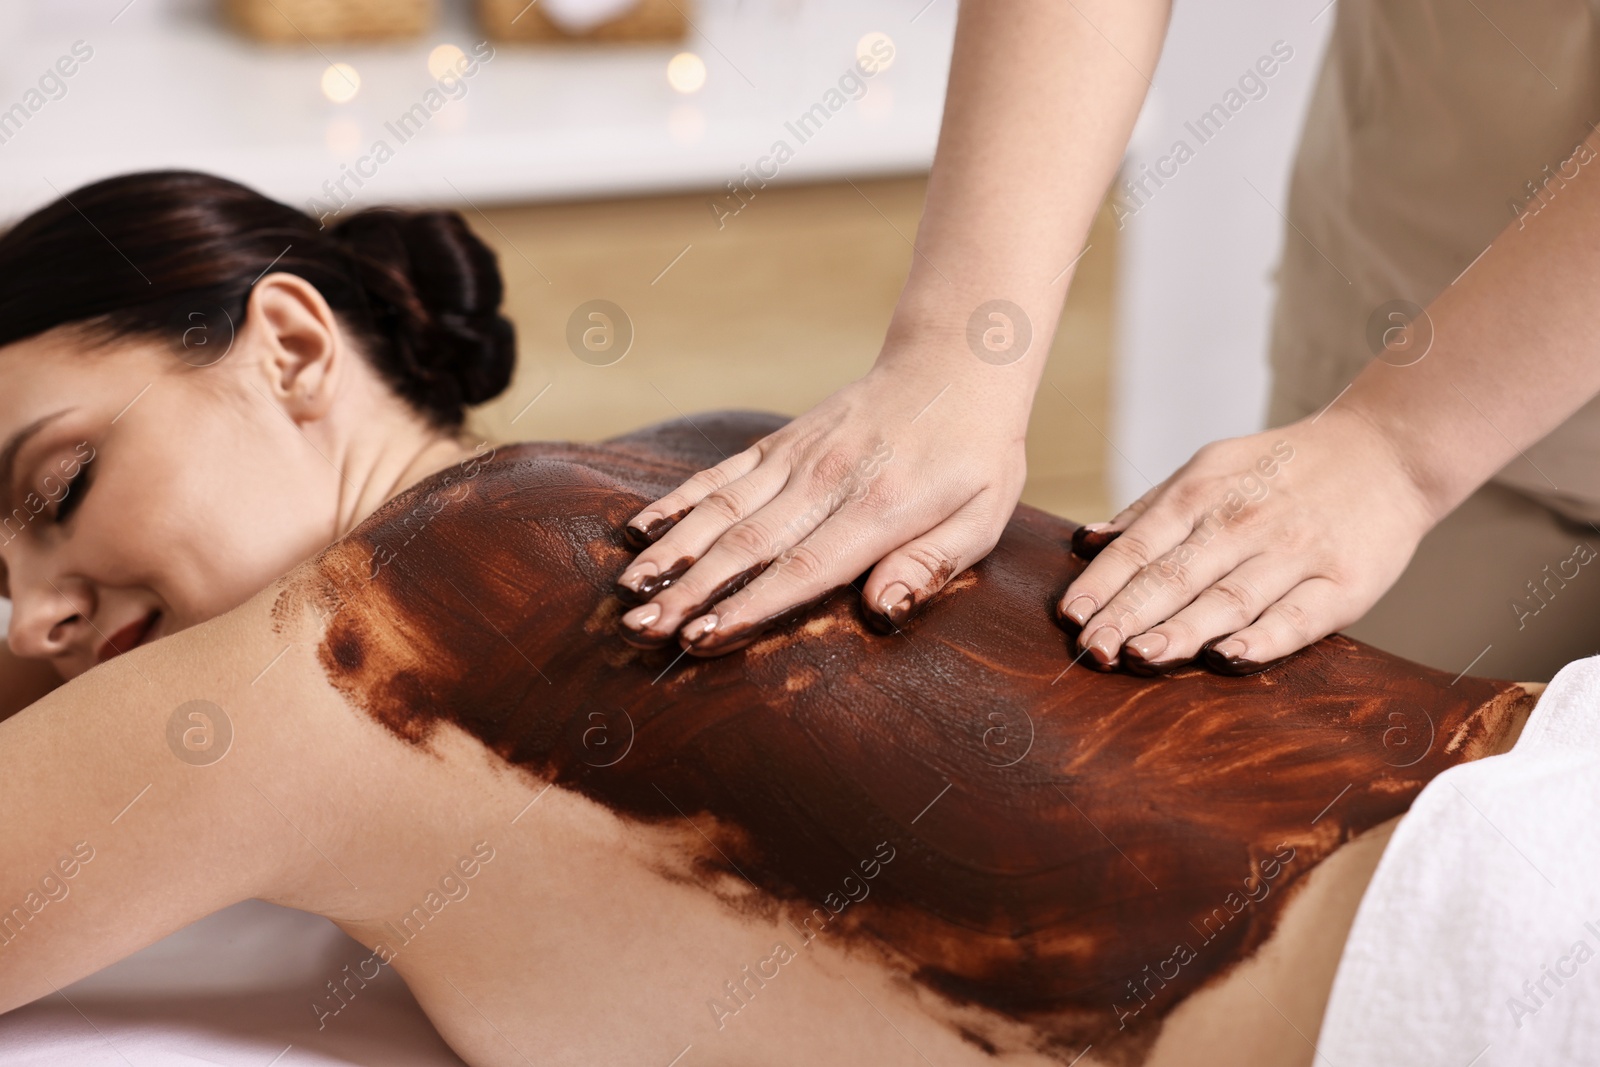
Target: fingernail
{"points": [[651, 584], [1104, 644], [1087, 541], [896, 601], [642, 616], [1080, 609], [631, 578], [646, 528], [1232, 648], [1231, 656], [699, 628], [1148, 646], [1140, 656], [637, 532]]}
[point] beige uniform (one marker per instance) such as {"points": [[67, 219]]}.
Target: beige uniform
{"points": [[1433, 125]]}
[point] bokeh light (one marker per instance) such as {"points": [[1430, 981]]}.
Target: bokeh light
{"points": [[875, 52], [340, 83], [686, 72], [446, 59]]}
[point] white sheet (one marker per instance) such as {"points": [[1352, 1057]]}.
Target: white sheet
{"points": [[1478, 941], [234, 989]]}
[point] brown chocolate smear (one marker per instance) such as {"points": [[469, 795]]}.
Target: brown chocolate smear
{"points": [[1056, 835], [1235, 664]]}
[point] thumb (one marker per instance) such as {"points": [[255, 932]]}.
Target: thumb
{"points": [[904, 580]]}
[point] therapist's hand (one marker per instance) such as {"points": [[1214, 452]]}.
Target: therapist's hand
{"points": [[893, 470], [1270, 541]]}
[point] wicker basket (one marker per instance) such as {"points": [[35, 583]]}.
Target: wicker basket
{"points": [[650, 20], [295, 21]]}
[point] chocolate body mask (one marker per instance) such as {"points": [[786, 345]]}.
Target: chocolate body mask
{"points": [[1071, 851]]}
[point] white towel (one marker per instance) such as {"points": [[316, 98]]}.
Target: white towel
{"points": [[1478, 941]]}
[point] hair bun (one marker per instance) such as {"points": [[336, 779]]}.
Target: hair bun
{"points": [[434, 291]]}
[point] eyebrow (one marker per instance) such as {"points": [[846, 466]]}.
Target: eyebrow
{"points": [[14, 445]]}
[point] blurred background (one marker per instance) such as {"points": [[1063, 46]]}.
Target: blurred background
{"points": [[625, 151]]}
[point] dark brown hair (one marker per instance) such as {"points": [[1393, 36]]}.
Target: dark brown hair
{"points": [[152, 254]]}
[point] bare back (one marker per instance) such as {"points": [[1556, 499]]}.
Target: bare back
{"points": [[1043, 857], [868, 847]]}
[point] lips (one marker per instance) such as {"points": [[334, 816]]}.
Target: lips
{"points": [[128, 638]]}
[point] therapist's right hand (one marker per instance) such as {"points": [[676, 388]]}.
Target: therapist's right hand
{"points": [[911, 475]]}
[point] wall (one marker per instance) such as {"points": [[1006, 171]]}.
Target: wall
{"points": [[1194, 283]]}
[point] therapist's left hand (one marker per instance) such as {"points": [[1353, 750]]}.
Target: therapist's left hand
{"points": [[1269, 541]]}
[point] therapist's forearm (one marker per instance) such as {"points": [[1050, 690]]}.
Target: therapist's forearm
{"points": [[1516, 349], [1041, 101]]}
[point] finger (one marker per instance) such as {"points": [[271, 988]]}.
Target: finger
{"points": [[688, 538], [908, 577], [1087, 541], [1232, 601], [838, 550], [736, 555], [1308, 612], [659, 516], [1154, 594], [1158, 531]]}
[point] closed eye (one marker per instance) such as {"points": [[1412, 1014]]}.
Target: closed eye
{"points": [[77, 489]]}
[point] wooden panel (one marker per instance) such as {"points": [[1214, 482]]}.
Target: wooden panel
{"points": [[775, 308]]}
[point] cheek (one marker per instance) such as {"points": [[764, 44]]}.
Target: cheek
{"points": [[209, 520]]}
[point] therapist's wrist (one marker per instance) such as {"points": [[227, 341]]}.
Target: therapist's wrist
{"points": [[1434, 484], [929, 373], [995, 352]]}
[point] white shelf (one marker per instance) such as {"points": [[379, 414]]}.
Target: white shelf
{"points": [[167, 87]]}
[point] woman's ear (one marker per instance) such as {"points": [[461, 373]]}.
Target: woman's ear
{"points": [[299, 343]]}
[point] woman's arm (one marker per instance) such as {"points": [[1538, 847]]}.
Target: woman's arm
{"points": [[128, 810], [917, 467], [1515, 350]]}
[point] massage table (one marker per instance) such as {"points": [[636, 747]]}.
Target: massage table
{"points": [[234, 989]]}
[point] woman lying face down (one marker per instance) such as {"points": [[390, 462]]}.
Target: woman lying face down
{"points": [[938, 844]]}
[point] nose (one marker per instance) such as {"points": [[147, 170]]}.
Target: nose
{"points": [[48, 615]]}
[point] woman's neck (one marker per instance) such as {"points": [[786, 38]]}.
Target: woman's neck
{"points": [[376, 471]]}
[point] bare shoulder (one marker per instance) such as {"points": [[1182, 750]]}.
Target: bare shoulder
{"points": [[161, 786], [221, 764]]}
